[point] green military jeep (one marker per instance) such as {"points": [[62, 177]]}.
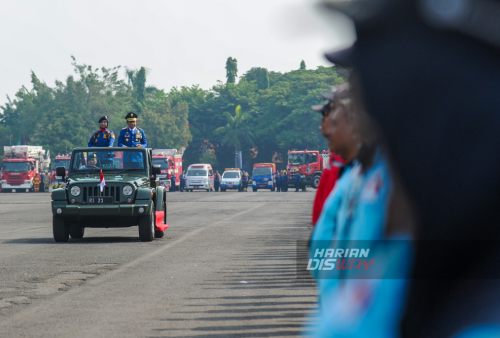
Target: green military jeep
{"points": [[108, 188]]}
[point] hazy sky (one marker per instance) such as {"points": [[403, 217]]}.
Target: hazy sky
{"points": [[182, 42]]}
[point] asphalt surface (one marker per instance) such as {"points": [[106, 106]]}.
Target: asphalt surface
{"points": [[225, 268]]}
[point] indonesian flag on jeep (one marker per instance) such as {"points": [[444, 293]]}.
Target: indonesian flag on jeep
{"points": [[103, 182]]}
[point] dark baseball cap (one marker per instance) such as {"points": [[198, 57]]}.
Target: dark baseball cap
{"points": [[343, 57]]}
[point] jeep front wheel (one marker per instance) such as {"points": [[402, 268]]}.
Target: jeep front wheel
{"points": [[147, 225], [60, 229], [76, 231]]}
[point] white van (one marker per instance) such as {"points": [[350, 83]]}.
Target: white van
{"points": [[200, 177]]}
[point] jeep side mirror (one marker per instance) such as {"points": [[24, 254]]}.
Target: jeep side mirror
{"points": [[61, 171], [156, 169]]}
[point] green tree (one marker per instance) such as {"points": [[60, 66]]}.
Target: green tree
{"points": [[302, 65], [231, 70], [137, 82], [209, 158], [260, 76], [236, 132]]}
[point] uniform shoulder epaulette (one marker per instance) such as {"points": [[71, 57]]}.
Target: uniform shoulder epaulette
{"points": [[124, 128], [139, 129]]}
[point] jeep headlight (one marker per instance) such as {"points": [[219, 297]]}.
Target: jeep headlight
{"points": [[127, 190], [75, 190]]}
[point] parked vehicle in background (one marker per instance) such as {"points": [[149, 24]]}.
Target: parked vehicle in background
{"points": [[200, 177], [170, 161], [231, 179], [59, 161], [263, 176], [310, 164], [20, 165]]}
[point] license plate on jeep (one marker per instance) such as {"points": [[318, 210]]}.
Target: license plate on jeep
{"points": [[100, 200]]}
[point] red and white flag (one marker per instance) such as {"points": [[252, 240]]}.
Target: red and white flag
{"points": [[103, 182]]}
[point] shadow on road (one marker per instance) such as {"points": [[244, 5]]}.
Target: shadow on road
{"points": [[85, 240], [263, 298]]}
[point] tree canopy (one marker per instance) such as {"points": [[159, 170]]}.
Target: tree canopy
{"points": [[264, 114]]}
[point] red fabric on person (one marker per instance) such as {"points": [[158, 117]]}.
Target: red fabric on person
{"points": [[328, 179]]}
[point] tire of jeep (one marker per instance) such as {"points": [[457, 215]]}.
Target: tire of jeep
{"points": [[315, 181], [60, 229], [147, 225], [76, 231]]}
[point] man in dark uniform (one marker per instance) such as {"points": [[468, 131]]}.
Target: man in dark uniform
{"points": [[285, 181], [279, 184], [103, 137], [217, 181], [297, 180], [132, 137], [182, 179], [172, 183], [276, 175], [244, 181]]}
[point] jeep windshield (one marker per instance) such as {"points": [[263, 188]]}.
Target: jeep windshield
{"points": [[108, 161]]}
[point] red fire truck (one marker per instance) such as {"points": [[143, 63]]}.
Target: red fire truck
{"points": [[59, 161], [171, 163], [310, 164], [20, 165]]}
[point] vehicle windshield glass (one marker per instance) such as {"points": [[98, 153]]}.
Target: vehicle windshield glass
{"points": [[231, 174], [196, 172], [61, 163], [15, 166], [106, 160], [160, 161], [262, 171], [296, 159]]}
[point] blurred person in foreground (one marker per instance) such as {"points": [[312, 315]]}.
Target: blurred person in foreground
{"points": [[430, 71], [359, 209], [332, 172]]}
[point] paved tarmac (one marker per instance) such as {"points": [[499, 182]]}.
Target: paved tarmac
{"points": [[225, 268]]}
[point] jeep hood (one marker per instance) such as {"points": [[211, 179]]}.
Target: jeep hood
{"points": [[137, 180]]}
